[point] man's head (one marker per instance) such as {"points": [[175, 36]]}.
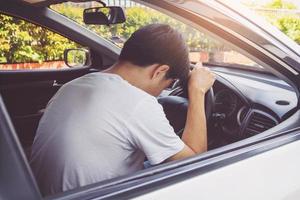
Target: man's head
{"points": [[161, 52]]}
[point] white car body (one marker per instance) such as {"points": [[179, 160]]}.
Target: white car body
{"points": [[263, 167]]}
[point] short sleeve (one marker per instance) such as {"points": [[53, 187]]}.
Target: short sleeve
{"points": [[152, 133]]}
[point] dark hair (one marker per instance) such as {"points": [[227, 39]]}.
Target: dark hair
{"points": [[158, 44]]}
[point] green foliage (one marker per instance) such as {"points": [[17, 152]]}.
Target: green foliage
{"points": [[72, 12], [137, 17], [290, 25], [280, 4], [25, 42], [15, 42], [76, 58], [287, 23]]}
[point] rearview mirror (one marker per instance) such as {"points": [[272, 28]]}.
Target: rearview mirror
{"points": [[104, 15], [77, 58]]}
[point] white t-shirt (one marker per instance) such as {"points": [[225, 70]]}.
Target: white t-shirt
{"points": [[99, 127]]}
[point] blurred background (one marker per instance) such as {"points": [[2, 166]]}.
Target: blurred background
{"points": [[24, 45]]}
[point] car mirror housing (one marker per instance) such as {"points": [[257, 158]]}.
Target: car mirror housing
{"points": [[75, 58], [104, 15]]}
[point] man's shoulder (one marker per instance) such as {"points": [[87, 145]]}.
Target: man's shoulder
{"points": [[111, 91], [117, 85]]}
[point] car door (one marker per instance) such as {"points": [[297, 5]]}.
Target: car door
{"points": [[17, 181], [185, 176], [32, 69]]}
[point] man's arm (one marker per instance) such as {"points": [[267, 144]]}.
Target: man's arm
{"points": [[194, 134]]}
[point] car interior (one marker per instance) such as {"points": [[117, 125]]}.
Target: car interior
{"points": [[244, 101]]}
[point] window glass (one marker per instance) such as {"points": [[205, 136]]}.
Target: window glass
{"points": [[284, 15], [26, 46], [202, 47]]}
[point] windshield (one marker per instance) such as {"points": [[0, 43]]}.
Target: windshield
{"points": [[202, 47]]}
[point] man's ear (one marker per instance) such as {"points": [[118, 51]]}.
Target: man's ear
{"points": [[160, 71]]}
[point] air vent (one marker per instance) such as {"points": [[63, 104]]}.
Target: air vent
{"points": [[259, 123]]}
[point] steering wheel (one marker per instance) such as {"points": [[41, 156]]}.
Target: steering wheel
{"points": [[175, 107]]}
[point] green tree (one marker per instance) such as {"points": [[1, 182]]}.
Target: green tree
{"points": [[137, 17], [288, 23], [15, 42], [22, 41], [280, 4]]}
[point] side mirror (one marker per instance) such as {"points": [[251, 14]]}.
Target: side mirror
{"points": [[104, 15], [75, 58]]}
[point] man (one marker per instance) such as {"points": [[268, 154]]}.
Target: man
{"points": [[104, 124]]}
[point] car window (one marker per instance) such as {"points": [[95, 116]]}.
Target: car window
{"points": [[202, 47], [26, 46]]}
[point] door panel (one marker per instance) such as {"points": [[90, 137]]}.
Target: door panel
{"points": [[25, 103], [17, 181], [273, 175], [32, 69]]}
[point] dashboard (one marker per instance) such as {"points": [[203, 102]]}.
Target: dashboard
{"points": [[246, 103], [250, 102]]}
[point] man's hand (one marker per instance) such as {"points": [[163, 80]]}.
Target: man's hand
{"points": [[201, 79], [195, 133]]}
